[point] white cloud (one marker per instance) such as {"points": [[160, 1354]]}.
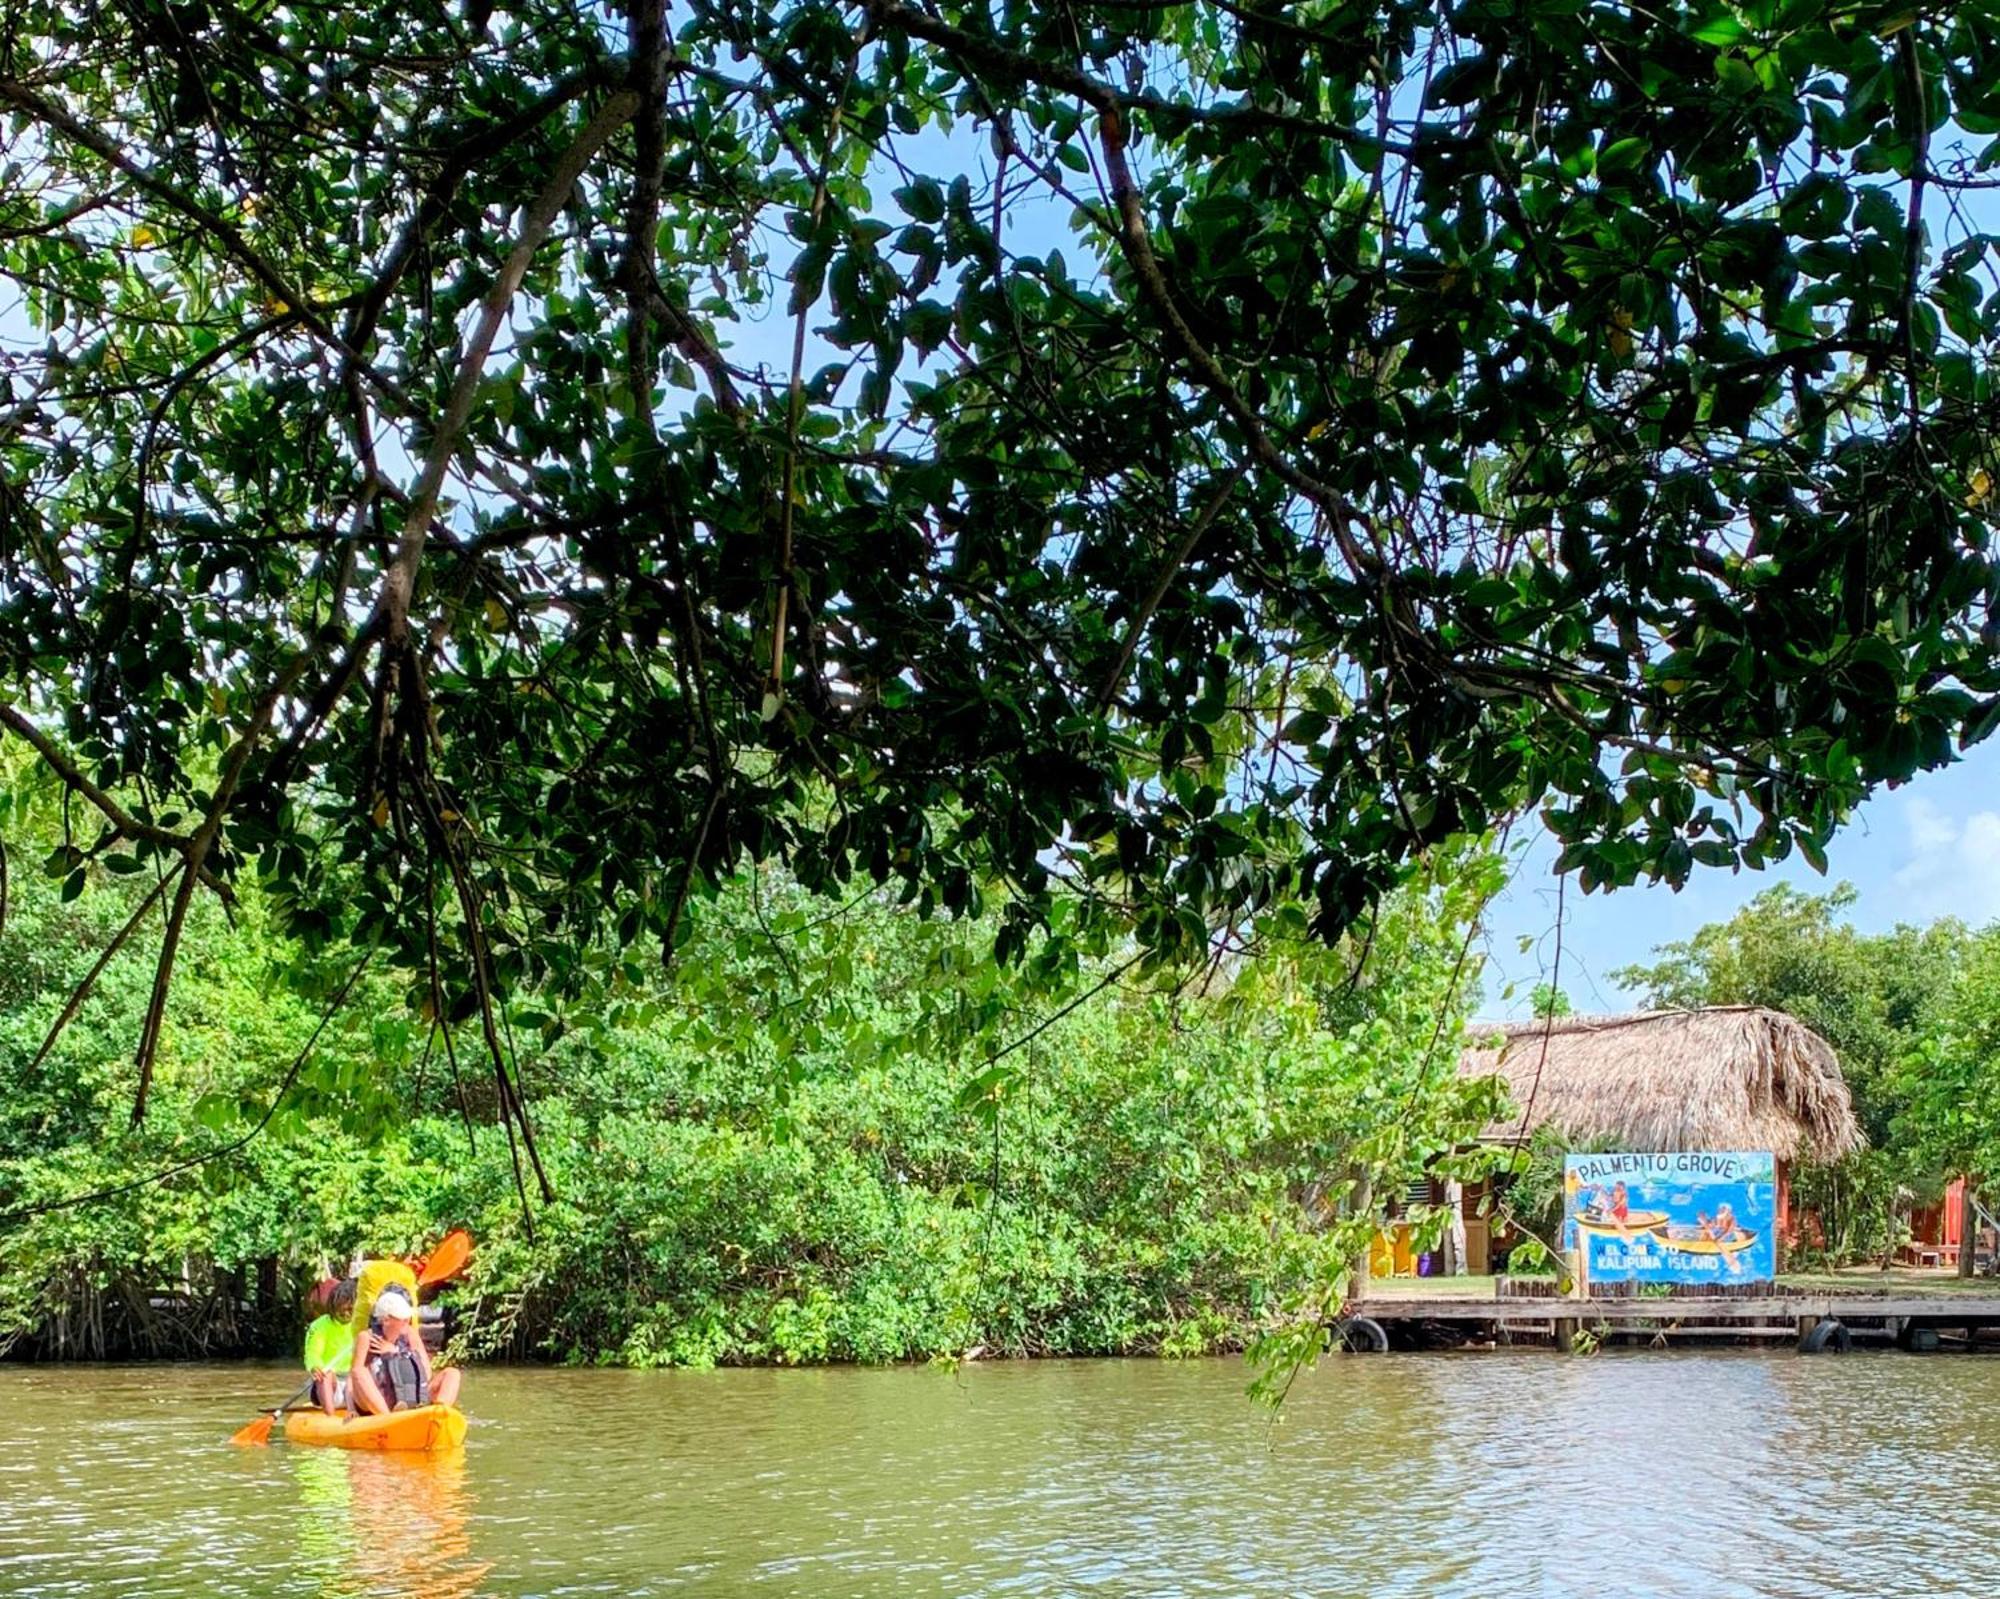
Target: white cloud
{"points": [[1930, 828], [1953, 865]]}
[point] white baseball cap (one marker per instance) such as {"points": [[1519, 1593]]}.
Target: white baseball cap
{"points": [[393, 1301]]}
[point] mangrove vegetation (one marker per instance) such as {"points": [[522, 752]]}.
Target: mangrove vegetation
{"points": [[836, 1131], [851, 670]]}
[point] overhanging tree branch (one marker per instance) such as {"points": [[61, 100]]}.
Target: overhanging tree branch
{"points": [[400, 580], [22, 1212], [72, 775], [991, 55], [196, 856]]}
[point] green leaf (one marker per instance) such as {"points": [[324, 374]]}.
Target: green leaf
{"points": [[1980, 725], [1737, 76], [1623, 156], [1308, 727], [1460, 82], [1722, 30], [923, 200]]}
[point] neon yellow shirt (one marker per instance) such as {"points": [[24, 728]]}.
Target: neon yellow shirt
{"points": [[330, 1346], [375, 1276]]}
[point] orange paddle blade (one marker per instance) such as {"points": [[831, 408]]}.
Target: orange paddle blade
{"points": [[258, 1432], [447, 1260]]}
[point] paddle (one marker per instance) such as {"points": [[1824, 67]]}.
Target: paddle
{"points": [[447, 1260], [259, 1431]]}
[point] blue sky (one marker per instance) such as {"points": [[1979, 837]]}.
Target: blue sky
{"points": [[1928, 849]]}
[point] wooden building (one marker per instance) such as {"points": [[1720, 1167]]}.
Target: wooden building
{"points": [[1725, 1078], [1937, 1230]]}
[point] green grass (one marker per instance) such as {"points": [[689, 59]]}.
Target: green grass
{"points": [[1430, 1288], [1897, 1280]]}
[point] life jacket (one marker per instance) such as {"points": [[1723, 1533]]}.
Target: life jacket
{"points": [[403, 1382]]}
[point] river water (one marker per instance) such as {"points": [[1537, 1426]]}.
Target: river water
{"points": [[1478, 1475]]}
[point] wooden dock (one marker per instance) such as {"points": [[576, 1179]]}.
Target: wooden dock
{"points": [[1815, 1321]]}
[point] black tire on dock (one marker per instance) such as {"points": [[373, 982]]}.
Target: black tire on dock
{"points": [[1829, 1337], [1361, 1335]]}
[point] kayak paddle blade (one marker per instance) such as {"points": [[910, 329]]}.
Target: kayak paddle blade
{"points": [[447, 1260], [258, 1432]]}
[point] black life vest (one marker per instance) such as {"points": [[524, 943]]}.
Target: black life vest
{"points": [[403, 1382]]}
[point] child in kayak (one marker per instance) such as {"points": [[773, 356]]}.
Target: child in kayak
{"points": [[330, 1346], [392, 1369]]}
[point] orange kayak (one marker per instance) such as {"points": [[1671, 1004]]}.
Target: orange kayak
{"points": [[427, 1427]]}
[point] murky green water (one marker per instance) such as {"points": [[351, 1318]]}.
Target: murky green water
{"points": [[1425, 1475]]}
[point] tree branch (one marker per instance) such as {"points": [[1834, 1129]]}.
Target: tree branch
{"points": [[1913, 231], [82, 991], [196, 855], [991, 55], [52, 754], [230, 1148], [294, 300], [399, 581], [1108, 690]]}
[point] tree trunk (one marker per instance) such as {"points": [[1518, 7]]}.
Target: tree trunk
{"points": [[1968, 1227], [1454, 1196], [1364, 1206]]}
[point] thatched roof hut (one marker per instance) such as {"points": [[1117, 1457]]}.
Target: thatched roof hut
{"points": [[1729, 1077]]}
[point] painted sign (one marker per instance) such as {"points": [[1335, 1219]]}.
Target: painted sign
{"points": [[1692, 1216]]}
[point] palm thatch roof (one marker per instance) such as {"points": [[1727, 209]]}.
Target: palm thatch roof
{"points": [[1729, 1077]]}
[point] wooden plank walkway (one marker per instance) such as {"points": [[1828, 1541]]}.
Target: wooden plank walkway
{"points": [[1930, 1309]]}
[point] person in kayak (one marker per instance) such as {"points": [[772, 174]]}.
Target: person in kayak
{"points": [[330, 1346], [371, 1277], [392, 1369]]}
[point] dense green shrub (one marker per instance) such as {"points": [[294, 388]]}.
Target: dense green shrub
{"points": [[830, 1133]]}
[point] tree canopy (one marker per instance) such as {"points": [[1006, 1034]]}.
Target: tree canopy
{"points": [[1209, 453], [1875, 997], [1912, 1016]]}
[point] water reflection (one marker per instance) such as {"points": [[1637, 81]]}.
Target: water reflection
{"points": [[386, 1526]]}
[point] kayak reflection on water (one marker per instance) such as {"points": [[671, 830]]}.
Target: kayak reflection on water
{"points": [[386, 1525]]}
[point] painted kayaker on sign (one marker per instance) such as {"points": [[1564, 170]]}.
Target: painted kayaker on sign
{"points": [[1723, 1230]]}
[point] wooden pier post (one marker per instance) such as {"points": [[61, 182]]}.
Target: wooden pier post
{"points": [[1364, 1205]]}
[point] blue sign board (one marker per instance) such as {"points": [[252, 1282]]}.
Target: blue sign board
{"points": [[1691, 1216]]}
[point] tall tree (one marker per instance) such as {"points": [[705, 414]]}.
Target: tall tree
{"points": [[1241, 446], [1877, 998], [1951, 1114], [1895, 1008]]}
